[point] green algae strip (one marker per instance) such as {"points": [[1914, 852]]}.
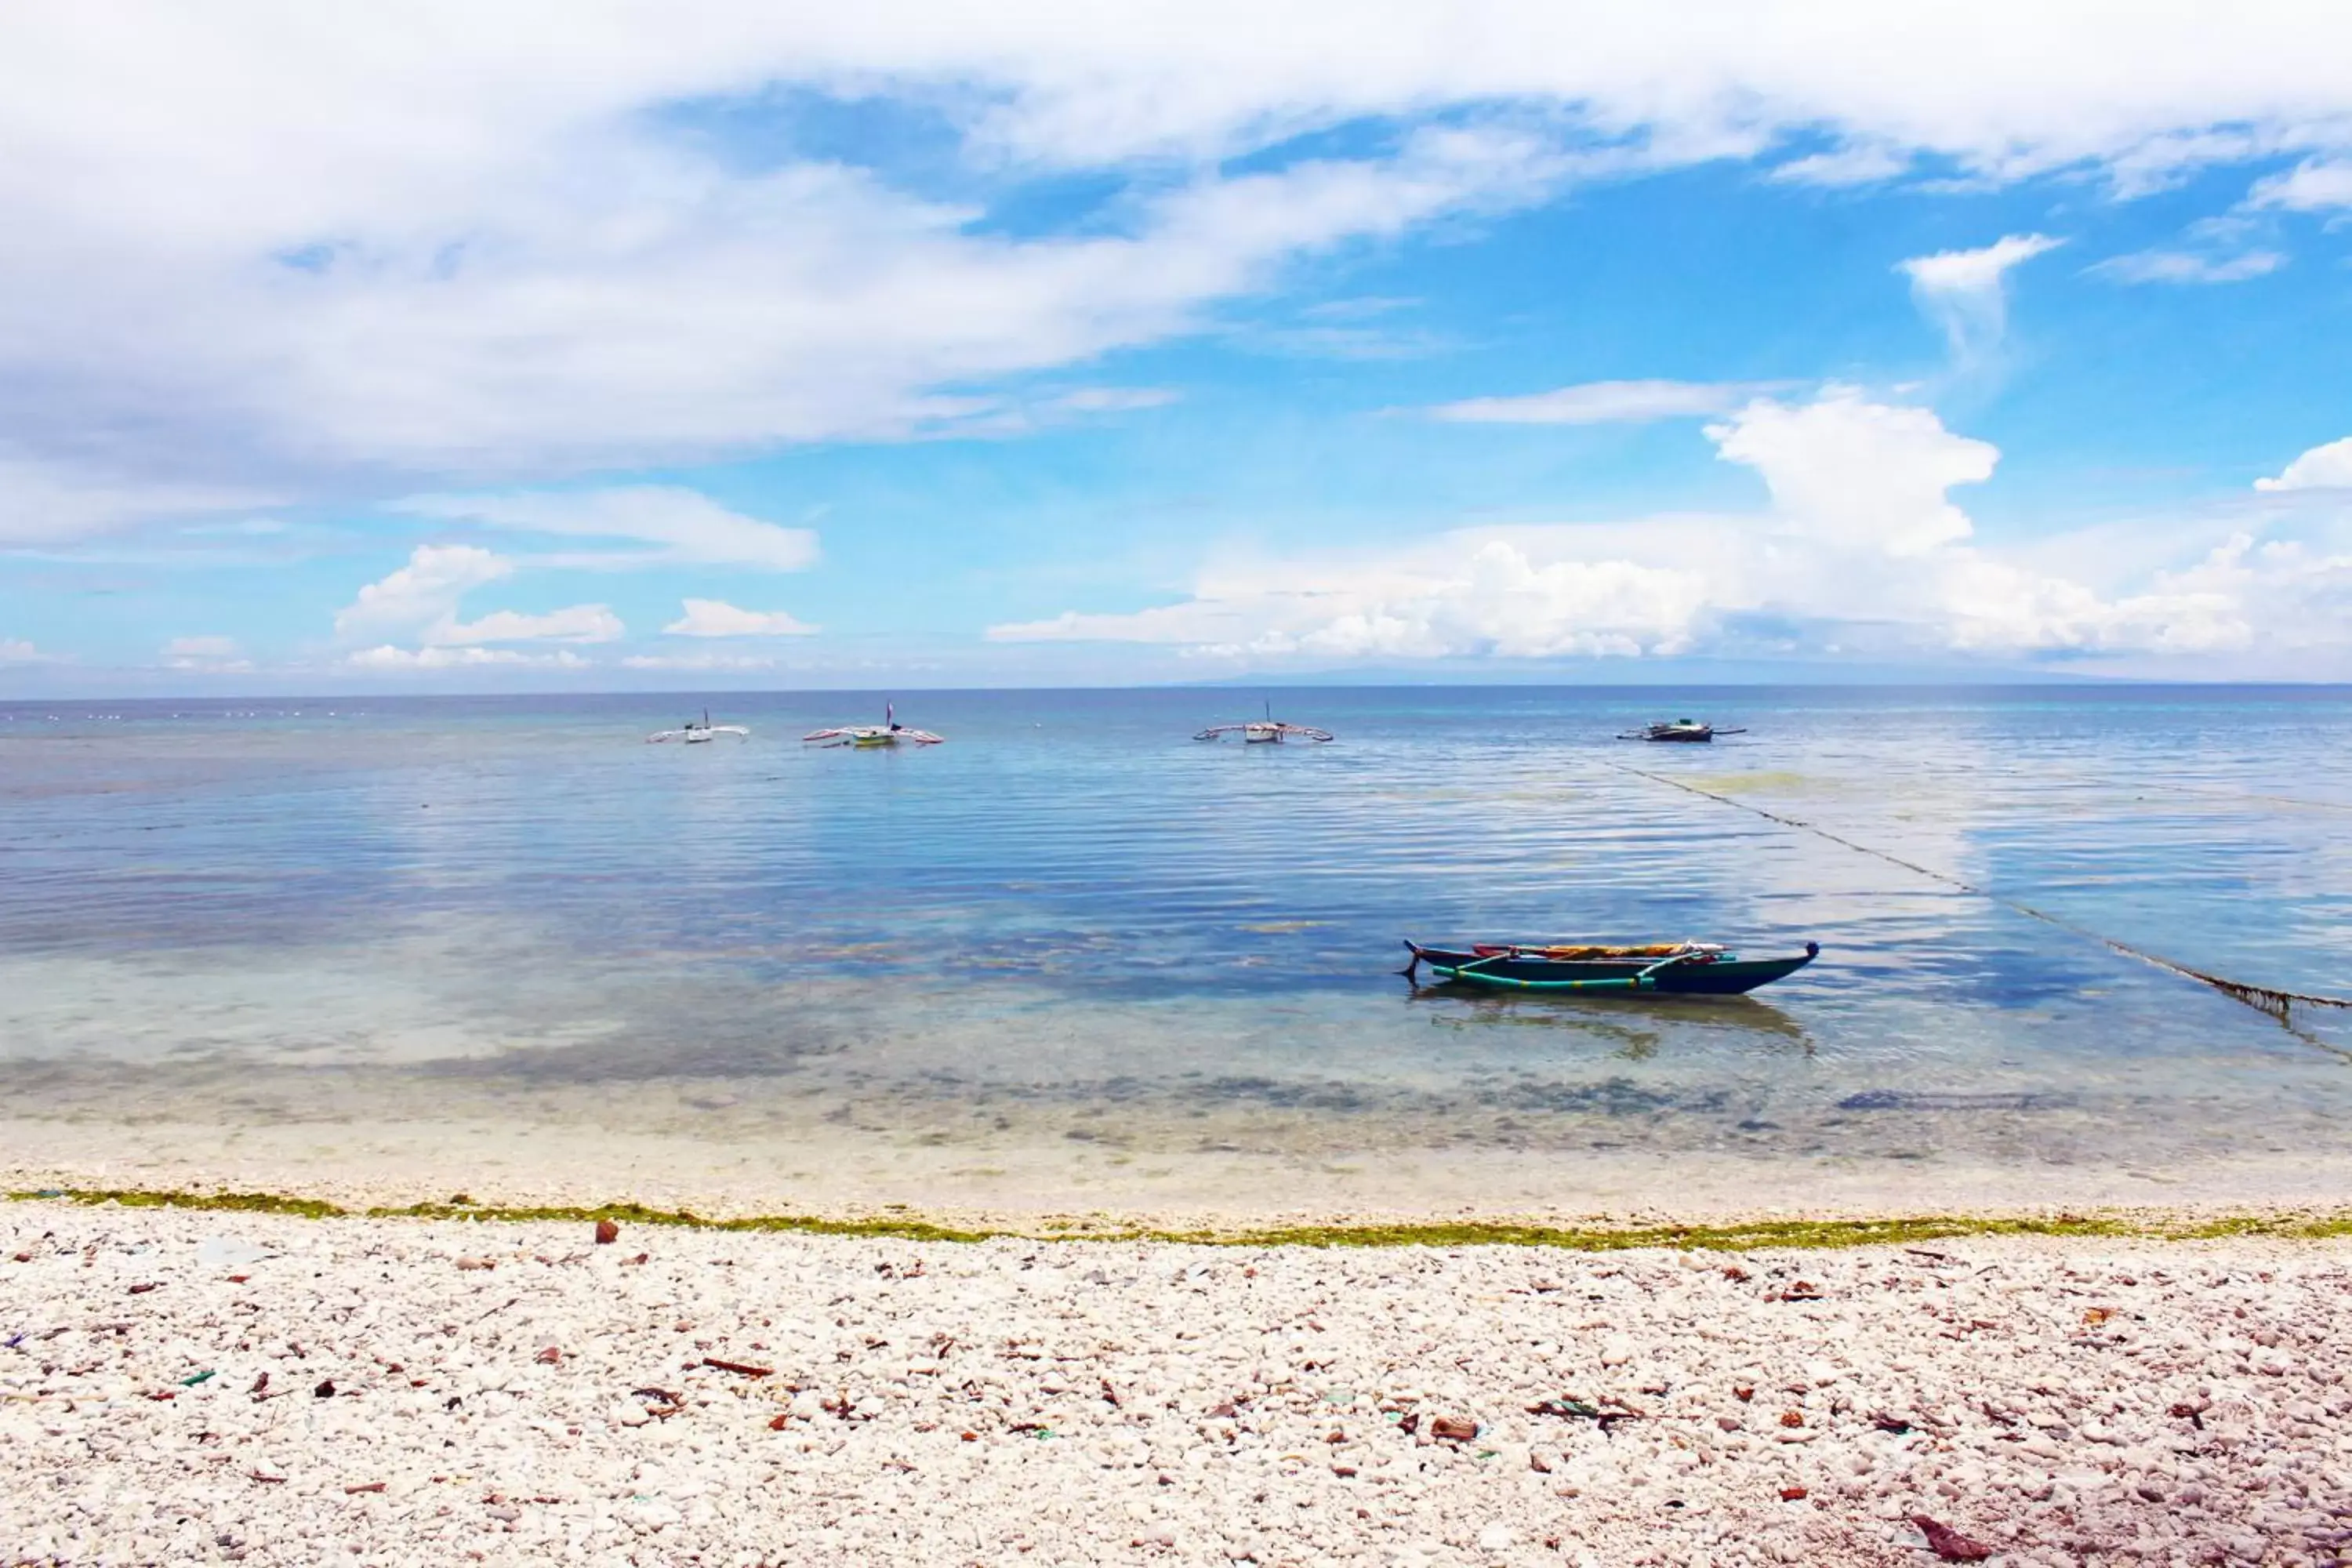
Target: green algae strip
{"points": [[1738, 1237]]}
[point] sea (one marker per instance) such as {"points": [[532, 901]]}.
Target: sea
{"points": [[1076, 941]]}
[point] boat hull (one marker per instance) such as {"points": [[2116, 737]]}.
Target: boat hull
{"points": [[1717, 974]]}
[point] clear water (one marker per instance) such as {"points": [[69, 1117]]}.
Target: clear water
{"points": [[1076, 928]]}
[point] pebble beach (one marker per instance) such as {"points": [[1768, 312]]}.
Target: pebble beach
{"points": [[194, 1387]]}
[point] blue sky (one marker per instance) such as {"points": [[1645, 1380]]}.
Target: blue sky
{"points": [[719, 347]]}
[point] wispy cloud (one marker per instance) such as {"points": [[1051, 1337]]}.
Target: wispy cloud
{"points": [[2188, 267], [1606, 402], [679, 525], [1863, 164], [2313, 185], [1966, 293]]}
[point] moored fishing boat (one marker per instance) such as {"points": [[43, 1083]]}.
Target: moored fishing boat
{"points": [[1684, 730], [1676, 968], [1267, 731], [889, 733]]}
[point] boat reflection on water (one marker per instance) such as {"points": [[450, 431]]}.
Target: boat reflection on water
{"points": [[1639, 1022]]}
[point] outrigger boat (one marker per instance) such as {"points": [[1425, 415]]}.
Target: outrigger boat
{"points": [[695, 734], [1674, 968], [1265, 732], [889, 733], [1683, 730]]}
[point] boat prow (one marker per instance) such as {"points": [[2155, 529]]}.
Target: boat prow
{"points": [[1673, 969]]}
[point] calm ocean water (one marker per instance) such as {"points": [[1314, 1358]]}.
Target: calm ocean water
{"points": [[1074, 920]]}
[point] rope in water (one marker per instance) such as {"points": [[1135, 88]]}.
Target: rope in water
{"points": [[2263, 998]]}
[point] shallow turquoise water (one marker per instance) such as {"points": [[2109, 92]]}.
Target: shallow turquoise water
{"points": [[1072, 908]]}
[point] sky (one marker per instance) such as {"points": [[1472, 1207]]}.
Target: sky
{"points": [[487, 344]]}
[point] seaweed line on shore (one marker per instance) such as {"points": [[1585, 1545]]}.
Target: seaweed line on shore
{"points": [[1735, 1237]]}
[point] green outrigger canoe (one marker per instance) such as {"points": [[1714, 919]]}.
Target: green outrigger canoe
{"points": [[1678, 969]]}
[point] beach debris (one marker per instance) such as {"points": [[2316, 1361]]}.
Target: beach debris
{"points": [[1793, 1494], [1949, 1543], [1792, 1418], [326, 1389], [737, 1367], [1894, 1424], [204, 1376], [24, 1257], [1743, 1393], [141, 1289], [1452, 1429], [473, 1265], [551, 1356], [782, 1419], [260, 1385], [358, 1487], [607, 1233]]}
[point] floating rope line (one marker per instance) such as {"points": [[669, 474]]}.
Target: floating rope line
{"points": [[2262, 998]]}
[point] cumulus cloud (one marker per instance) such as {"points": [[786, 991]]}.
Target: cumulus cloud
{"points": [[1965, 292], [1603, 402], [1848, 471], [2322, 467], [419, 602], [1860, 543], [682, 525], [717, 618], [18, 650]]}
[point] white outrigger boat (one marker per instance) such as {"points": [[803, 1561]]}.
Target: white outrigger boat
{"points": [[695, 734], [1265, 732], [889, 733]]}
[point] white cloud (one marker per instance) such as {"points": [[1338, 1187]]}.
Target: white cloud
{"points": [[450, 240], [701, 661], [423, 593], [2322, 467], [190, 651], [717, 618], [575, 623], [18, 650], [1847, 471], [1861, 546], [419, 602], [1603, 402], [1965, 292], [1863, 164], [684, 525], [45, 501], [2313, 186], [1115, 399], [399, 658], [2190, 267]]}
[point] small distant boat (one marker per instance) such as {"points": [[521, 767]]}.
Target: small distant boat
{"points": [[1675, 968], [1686, 730], [1265, 732], [696, 732], [889, 733]]}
